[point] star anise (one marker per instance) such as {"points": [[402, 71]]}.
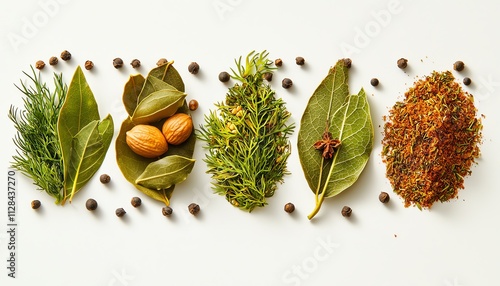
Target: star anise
{"points": [[327, 145]]}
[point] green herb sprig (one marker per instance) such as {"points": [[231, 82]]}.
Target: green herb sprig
{"points": [[247, 137], [38, 150]]}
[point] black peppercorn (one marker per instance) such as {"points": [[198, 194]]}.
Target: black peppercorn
{"points": [[117, 63], [300, 61], [136, 202], [402, 63], [467, 81], [194, 208], [105, 178], [91, 205], [374, 82], [167, 211], [120, 212], [289, 208], [194, 67], [193, 104], [278, 62], [35, 204], [384, 197], [53, 61], [346, 211], [65, 55], [348, 63], [459, 66], [224, 76], [161, 62], [39, 65], [286, 83], [268, 76], [89, 65], [135, 63]]}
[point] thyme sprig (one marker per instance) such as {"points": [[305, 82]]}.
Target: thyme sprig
{"points": [[38, 149], [247, 137]]}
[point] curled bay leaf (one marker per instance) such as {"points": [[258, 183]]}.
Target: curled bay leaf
{"points": [[164, 173], [131, 92], [158, 105], [347, 118]]}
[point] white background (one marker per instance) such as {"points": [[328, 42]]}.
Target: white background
{"points": [[455, 243]]}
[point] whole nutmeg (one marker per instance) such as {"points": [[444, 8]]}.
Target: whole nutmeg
{"points": [[177, 128], [146, 140]]}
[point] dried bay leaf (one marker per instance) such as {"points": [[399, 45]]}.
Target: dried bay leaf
{"points": [[158, 105], [168, 74], [131, 92], [348, 119], [164, 173], [76, 121]]}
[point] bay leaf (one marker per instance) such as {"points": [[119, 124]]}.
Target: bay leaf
{"points": [[133, 165], [158, 105], [165, 172], [348, 119], [168, 74], [89, 147], [77, 112], [151, 85], [131, 92]]}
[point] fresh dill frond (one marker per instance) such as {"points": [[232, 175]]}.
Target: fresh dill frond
{"points": [[38, 150], [247, 137]]}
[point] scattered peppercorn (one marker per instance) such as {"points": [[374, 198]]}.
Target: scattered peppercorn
{"points": [[194, 209], [39, 65], [91, 205], [289, 208], [65, 55], [167, 211], [35, 204], [193, 104], [286, 83], [161, 62], [300, 61], [53, 61], [467, 81], [105, 178], [459, 66], [224, 76], [194, 67], [346, 211], [120, 212], [278, 62], [384, 197], [135, 63], [374, 82], [136, 202], [118, 63], [89, 65], [268, 76], [402, 63], [347, 63]]}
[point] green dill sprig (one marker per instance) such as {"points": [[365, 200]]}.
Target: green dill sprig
{"points": [[38, 149], [247, 137]]}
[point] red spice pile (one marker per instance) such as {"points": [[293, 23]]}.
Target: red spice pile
{"points": [[431, 139]]}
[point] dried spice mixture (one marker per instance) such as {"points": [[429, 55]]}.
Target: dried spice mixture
{"points": [[431, 139]]}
